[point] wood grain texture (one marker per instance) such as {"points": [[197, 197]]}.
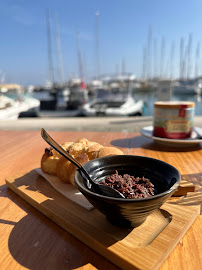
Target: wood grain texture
{"points": [[30, 240], [155, 238]]}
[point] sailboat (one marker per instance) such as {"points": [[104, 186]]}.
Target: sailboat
{"points": [[78, 92]]}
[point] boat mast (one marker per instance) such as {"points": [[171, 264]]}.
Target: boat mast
{"points": [[155, 59], [144, 65], [162, 57], [60, 63], [80, 64], [189, 50], [97, 45], [197, 60], [149, 44], [185, 62], [50, 60], [172, 52], [181, 58]]}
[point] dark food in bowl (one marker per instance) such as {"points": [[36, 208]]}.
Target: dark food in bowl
{"points": [[129, 212], [131, 187]]}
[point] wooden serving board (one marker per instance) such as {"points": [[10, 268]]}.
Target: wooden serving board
{"points": [[144, 247]]}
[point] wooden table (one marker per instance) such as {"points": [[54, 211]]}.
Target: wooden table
{"points": [[21, 224]]}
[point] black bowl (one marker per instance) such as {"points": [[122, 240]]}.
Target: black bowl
{"points": [[129, 212]]}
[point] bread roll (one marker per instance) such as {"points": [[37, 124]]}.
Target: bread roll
{"points": [[82, 150], [92, 149], [50, 159], [66, 169], [78, 147], [107, 151], [61, 169]]}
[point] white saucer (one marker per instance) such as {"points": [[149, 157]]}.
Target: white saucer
{"points": [[148, 132]]}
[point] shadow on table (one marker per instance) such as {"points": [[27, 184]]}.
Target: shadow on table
{"points": [[145, 143], [6, 192], [38, 244], [50, 247], [121, 143]]}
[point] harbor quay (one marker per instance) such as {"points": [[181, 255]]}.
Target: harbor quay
{"points": [[63, 123]]}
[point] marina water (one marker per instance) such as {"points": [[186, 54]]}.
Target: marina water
{"points": [[150, 97]]}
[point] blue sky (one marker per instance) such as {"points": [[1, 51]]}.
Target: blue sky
{"points": [[123, 33]]}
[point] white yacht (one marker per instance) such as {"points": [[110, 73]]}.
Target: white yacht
{"points": [[18, 101], [9, 109], [113, 102]]}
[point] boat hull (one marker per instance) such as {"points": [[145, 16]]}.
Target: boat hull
{"points": [[127, 109]]}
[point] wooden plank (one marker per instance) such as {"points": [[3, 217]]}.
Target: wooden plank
{"points": [[184, 188], [155, 238]]}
